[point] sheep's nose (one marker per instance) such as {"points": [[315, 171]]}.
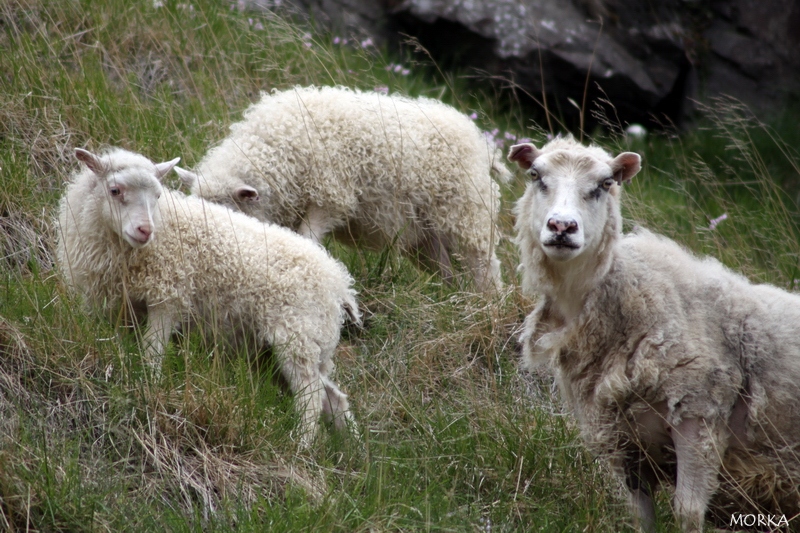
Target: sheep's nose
{"points": [[562, 226], [145, 232]]}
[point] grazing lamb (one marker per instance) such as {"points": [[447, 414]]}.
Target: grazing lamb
{"points": [[375, 170], [125, 241], [678, 370]]}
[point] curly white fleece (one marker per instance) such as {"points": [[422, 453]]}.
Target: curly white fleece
{"points": [[376, 169], [251, 282]]}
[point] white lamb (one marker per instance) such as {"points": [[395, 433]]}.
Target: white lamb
{"points": [[126, 242], [679, 371], [375, 170]]}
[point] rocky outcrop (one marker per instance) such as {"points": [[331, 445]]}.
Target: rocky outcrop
{"points": [[642, 59]]}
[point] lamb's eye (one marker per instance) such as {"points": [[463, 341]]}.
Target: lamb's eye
{"points": [[533, 174], [607, 183], [114, 191]]}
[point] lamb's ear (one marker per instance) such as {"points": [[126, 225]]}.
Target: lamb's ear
{"points": [[163, 168], [625, 166], [94, 163], [246, 193], [523, 155], [187, 177]]}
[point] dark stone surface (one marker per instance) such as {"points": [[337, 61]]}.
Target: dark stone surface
{"points": [[645, 58]]}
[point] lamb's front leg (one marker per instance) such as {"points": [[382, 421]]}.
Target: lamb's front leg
{"points": [[161, 320], [698, 458]]}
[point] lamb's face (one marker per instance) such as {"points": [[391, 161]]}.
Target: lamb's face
{"points": [[225, 190], [571, 198], [130, 205], [127, 187]]}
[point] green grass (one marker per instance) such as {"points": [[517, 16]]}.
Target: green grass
{"points": [[453, 438]]}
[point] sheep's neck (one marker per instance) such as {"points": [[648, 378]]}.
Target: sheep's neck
{"points": [[570, 283]]}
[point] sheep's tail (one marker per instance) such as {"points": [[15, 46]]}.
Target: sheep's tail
{"points": [[350, 308], [499, 170]]}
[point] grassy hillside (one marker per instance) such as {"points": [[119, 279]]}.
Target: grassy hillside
{"points": [[453, 437]]}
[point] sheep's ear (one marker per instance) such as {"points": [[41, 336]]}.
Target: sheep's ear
{"points": [[163, 168], [187, 177], [245, 193], [523, 155], [625, 166], [94, 163]]}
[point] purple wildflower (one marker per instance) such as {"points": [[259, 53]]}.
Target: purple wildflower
{"points": [[713, 223]]}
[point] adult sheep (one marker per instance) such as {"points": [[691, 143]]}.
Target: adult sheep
{"points": [[679, 371], [375, 170], [127, 242]]}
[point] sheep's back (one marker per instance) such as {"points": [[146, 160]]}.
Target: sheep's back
{"points": [[214, 260], [359, 154]]}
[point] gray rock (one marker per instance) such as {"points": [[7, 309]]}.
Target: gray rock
{"points": [[644, 59]]}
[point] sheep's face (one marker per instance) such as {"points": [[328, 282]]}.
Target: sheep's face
{"points": [[225, 190], [131, 205], [571, 200], [128, 195]]}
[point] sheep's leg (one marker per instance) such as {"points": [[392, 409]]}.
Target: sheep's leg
{"points": [[698, 467], [336, 406], [160, 322], [641, 503], [485, 269], [307, 387], [641, 481], [431, 253], [316, 224]]}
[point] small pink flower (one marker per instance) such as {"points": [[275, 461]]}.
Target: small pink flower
{"points": [[405, 72], [473, 116], [510, 136], [382, 89], [336, 40], [367, 42], [398, 68]]}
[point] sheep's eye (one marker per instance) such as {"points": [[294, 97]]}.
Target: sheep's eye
{"points": [[607, 183], [533, 174], [115, 191]]}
